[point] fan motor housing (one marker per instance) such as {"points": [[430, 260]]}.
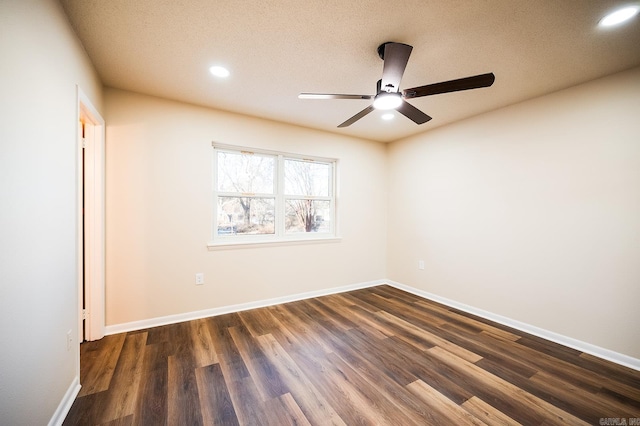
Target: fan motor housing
{"points": [[381, 49], [382, 46]]}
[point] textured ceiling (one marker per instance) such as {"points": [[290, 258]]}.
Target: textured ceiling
{"points": [[276, 49]]}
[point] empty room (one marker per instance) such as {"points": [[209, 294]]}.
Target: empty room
{"points": [[321, 212]]}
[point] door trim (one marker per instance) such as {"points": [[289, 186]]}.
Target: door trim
{"points": [[91, 266]]}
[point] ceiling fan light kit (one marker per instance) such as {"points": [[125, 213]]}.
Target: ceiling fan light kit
{"points": [[388, 95], [386, 101]]}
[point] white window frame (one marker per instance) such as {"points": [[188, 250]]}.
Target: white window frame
{"points": [[279, 236]]}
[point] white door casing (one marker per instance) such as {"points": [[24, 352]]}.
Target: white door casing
{"points": [[91, 277]]}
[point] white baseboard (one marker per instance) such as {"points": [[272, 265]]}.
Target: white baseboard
{"points": [[188, 316], [67, 401], [600, 352]]}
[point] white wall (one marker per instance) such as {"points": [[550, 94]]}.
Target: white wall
{"points": [[41, 64], [531, 212], [159, 212]]}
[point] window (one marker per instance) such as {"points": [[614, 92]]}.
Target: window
{"points": [[262, 196]]}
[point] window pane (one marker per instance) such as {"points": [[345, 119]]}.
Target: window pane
{"points": [[306, 178], [245, 173], [245, 215], [307, 216]]}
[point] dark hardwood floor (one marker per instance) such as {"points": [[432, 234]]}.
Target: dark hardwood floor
{"points": [[376, 356]]}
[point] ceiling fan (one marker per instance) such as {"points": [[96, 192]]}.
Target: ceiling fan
{"points": [[388, 95]]}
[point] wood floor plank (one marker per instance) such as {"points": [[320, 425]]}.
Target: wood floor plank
{"points": [[548, 348], [506, 391], [351, 297], [96, 372], [374, 356], [284, 411], [123, 389], [258, 321], [571, 397], [183, 397], [344, 388], [616, 372], [499, 334], [353, 397], [246, 401], [432, 339], [226, 351], [215, 402], [567, 370], [465, 319], [314, 406], [203, 351], [441, 409], [180, 341], [123, 421], [87, 410], [265, 375], [341, 392], [504, 369], [615, 398], [151, 404], [242, 389], [408, 404], [388, 401], [363, 318], [409, 312], [487, 413], [433, 373], [318, 319], [347, 391], [293, 318], [485, 345], [380, 354], [329, 312], [158, 334]]}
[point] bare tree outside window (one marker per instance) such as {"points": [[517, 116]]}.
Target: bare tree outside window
{"points": [[246, 172], [307, 179], [250, 175]]}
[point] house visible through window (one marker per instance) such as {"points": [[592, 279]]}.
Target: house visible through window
{"points": [[267, 196]]}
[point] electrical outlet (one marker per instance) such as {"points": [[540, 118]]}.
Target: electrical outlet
{"points": [[69, 339], [199, 278], [420, 264]]}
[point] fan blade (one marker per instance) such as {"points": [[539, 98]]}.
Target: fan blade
{"points": [[357, 117], [413, 113], [396, 56], [475, 82], [332, 96]]}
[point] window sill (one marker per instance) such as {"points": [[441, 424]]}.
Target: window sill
{"points": [[231, 245]]}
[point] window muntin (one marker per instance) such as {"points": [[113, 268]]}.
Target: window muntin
{"points": [[267, 196]]}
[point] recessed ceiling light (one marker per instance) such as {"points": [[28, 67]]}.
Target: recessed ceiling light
{"points": [[388, 116], [619, 16], [219, 71]]}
